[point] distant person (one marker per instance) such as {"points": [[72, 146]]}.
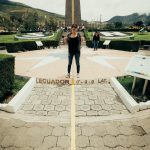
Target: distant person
{"points": [[96, 39], [73, 40]]}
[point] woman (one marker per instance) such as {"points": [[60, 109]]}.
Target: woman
{"points": [[73, 40]]}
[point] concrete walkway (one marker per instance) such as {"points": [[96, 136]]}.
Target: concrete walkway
{"points": [[52, 63], [102, 122]]}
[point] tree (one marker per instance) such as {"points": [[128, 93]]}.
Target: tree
{"points": [[109, 26], [118, 25], [31, 22], [139, 23]]}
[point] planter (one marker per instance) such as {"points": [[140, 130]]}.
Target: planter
{"points": [[127, 99], [20, 97]]}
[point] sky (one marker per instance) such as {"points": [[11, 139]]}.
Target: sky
{"points": [[91, 10]]}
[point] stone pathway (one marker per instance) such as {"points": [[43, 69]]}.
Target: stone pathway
{"points": [[43, 122], [113, 135], [91, 100], [20, 135], [125, 134], [48, 100]]}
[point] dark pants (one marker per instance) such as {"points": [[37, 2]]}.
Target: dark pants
{"points": [[77, 58], [95, 44]]}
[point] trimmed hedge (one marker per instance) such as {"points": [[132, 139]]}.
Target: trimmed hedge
{"points": [[7, 63], [30, 45], [121, 30], [125, 45], [118, 45]]}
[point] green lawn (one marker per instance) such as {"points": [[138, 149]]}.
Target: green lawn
{"points": [[142, 37], [11, 38], [137, 36]]}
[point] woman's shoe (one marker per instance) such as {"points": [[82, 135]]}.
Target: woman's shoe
{"points": [[78, 76], [68, 75]]}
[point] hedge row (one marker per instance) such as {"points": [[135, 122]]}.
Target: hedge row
{"points": [[118, 45], [7, 63], [121, 30], [31, 45]]}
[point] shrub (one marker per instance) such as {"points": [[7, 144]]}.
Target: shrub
{"points": [[119, 45], [125, 45], [6, 74]]}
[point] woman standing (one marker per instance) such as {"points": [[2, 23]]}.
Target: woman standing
{"points": [[73, 40]]}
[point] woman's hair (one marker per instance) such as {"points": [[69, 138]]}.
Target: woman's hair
{"points": [[74, 25]]}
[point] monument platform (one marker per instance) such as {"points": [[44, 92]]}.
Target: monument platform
{"points": [[46, 120]]}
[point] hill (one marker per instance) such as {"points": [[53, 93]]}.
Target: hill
{"points": [[130, 19], [14, 14]]}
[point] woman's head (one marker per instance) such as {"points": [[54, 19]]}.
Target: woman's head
{"points": [[96, 33], [74, 27]]}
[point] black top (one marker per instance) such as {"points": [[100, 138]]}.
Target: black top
{"points": [[74, 44], [96, 38]]}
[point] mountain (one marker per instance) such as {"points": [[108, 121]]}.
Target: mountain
{"points": [[14, 14], [130, 19]]}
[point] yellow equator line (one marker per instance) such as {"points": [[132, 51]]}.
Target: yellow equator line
{"points": [[73, 11], [73, 109]]}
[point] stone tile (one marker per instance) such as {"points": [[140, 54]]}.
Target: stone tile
{"points": [[63, 141], [41, 113], [92, 113], [110, 141], [58, 131], [52, 113], [49, 107], [100, 130], [65, 114], [82, 141], [84, 107], [59, 107], [50, 142], [80, 113], [96, 141], [103, 113], [106, 107], [38, 107], [27, 107], [123, 141], [56, 101], [88, 131], [96, 107]]}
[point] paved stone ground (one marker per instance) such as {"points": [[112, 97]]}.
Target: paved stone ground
{"points": [[91, 100], [114, 135], [20, 135], [48, 100], [124, 134], [94, 64], [97, 100], [102, 121]]}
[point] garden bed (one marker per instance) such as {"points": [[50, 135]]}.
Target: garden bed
{"points": [[13, 44], [19, 82], [126, 82], [134, 102], [22, 89]]}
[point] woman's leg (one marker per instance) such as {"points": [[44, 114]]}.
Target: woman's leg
{"points": [[77, 57], [94, 44], [97, 44], [70, 57]]}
